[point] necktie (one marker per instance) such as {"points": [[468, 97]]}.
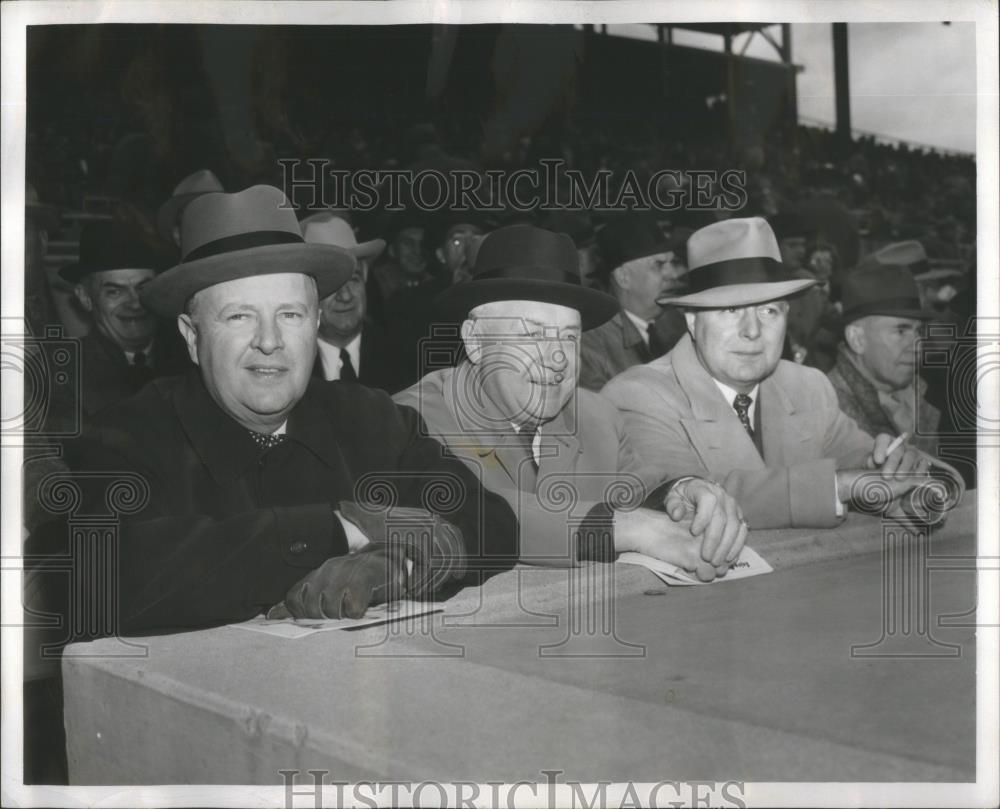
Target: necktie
{"points": [[656, 347], [347, 371], [139, 359], [266, 440], [741, 404], [139, 371]]}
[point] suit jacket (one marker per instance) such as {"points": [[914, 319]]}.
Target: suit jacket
{"points": [[617, 345], [225, 529], [380, 364], [107, 377], [859, 400], [586, 461], [680, 423]]}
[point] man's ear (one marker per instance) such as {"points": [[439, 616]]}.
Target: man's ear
{"points": [[689, 319], [473, 342], [854, 336], [440, 254], [190, 334], [83, 295], [622, 277]]}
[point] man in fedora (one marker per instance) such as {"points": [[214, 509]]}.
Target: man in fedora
{"points": [[512, 411], [876, 377], [723, 404], [127, 346], [352, 347], [263, 487], [642, 266], [168, 218]]}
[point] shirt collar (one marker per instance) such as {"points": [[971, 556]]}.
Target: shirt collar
{"points": [[730, 394], [642, 326]]}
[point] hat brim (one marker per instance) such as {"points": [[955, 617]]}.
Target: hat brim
{"points": [[370, 249], [167, 294], [595, 307], [166, 217], [739, 294], [908, 314]]}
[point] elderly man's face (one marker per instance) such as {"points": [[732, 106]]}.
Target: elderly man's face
{"points": [[342, 314], [528, 357], [739, 346], [255, 341], [112, 299], [646, 279], [885, 347]]}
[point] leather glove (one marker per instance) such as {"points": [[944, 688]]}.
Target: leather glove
{"points": [[345, 586]]}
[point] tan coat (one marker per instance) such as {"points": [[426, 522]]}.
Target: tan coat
{"points": [[586, 459], [680, 423]]}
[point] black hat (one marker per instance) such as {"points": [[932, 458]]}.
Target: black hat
{"points": [[523, 262], [887, 289], [575, 224], [631, 237], [789, 224], [111, 245]]}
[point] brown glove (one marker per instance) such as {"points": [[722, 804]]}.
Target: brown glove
{"points": [[345, 586]]}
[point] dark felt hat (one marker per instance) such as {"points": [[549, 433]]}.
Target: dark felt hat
{"points": [[630, 237], [111, 245], [524, 262], [886, 289], [230, 236]]}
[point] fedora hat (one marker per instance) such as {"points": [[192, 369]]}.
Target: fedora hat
{"points": [[192, 186], [735, 262], [524, 262], [229, 236], [909, 254], [328, 227], [111, 245], [889, 289]]}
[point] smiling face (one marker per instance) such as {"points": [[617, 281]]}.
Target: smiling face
{"points": [[342, 314], [885, 347], [739, 346], [527, 355], [112, 299], [255, 341]]}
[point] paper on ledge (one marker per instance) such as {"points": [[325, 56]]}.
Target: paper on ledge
{"points": [[293, 629], [748, 563]]}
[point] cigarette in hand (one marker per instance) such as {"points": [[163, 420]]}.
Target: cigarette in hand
{"points": [[896, 443]]}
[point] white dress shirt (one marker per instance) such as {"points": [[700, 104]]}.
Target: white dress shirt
{"points": [[329, 356]]}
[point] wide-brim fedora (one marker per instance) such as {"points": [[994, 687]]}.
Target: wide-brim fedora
{"points": [[326, 227], [225, 237], [910, 254], [887, 289], [188, 189], [108, 244], [524, 262], [735, 262]]}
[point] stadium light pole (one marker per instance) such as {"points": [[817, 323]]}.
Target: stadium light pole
{"points": [[842, 84]]}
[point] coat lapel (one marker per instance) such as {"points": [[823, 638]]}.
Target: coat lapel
{"points": [[787, 433], [713, 428]]}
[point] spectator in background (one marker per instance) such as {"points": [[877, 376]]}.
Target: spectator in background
{"points": [[810, 336], [876, 376], [168, 218], [352, 348], [642, 266], [126, 346], [405, 264]]}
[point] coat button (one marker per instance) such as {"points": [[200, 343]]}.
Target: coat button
{"points": [[298, 548]]}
